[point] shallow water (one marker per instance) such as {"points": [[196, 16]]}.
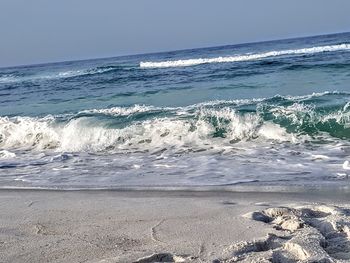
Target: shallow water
{"points": [[270, 113]]}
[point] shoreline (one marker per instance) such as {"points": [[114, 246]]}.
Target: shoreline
{"points": [[261, 187], [156, 192], [173, 226]]}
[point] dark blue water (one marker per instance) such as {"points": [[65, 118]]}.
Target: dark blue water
{"points": [[270, 113]]}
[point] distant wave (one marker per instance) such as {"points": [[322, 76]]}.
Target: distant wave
{"points": [[8, 78], [11, 78], [75, 73], [245, 57]]}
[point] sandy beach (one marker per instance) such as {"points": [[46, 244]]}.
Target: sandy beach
{"points": [[174, 131], [173, 226]]}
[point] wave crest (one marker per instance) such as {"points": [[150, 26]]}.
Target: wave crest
{"points": [[208, 128], [207, 125], [123, 111], [240, 58], [13, 77]]}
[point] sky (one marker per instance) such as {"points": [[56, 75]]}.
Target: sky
{"points": [[40, 31]]}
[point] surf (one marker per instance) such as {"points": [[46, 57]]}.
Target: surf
{"points": [[243, 57], [207, 125]]}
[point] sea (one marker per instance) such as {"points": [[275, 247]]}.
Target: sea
{"points": [[261, 115]]}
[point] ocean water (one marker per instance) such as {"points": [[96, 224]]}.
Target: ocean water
{"points": [[262, 114]]}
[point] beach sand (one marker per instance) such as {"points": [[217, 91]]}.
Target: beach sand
{"points": [[173, 226]]}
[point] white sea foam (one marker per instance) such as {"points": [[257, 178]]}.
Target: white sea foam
{"points": [[200, 126], [123, 111], [4, 154], [84, 134], [298, 113], [313, 95], [10, 78], [244, 57], [126, 111], [75, 73]]}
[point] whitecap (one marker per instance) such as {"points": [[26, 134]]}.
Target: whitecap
{"points": [[244, 57], [4, 154], [10, 78], [198, 126], [123, 111]]}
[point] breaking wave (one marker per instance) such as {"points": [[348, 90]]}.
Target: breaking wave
{"points": [[205, 126], [207, 129], [245, 57]]}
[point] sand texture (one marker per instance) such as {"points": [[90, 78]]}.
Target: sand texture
{"points": [[176, 226]]}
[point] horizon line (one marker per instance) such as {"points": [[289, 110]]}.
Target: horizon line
{"points": [[166, 51]]}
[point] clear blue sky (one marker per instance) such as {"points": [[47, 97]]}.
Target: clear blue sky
{"points": [[36, 31]]}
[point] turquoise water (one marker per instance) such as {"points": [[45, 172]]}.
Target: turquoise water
{"points": [[269, 113]]}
